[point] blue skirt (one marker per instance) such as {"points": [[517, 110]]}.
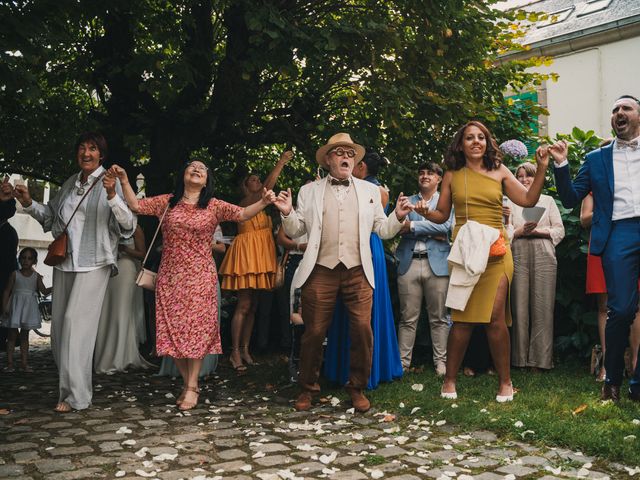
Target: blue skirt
{"points": [[386, 365]]}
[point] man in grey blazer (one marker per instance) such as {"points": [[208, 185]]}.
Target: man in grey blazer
{"points": [[423, 272], [338, 213]]}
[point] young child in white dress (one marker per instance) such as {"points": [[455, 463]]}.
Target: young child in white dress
{"points": [[20, 306]]}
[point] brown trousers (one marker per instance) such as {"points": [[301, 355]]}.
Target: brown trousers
{"points": [[319, 295]]}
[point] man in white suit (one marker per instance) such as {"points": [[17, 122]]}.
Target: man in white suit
{"points": [[338, 213]]}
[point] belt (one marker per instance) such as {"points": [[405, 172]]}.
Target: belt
{"points": [[420, 255]]}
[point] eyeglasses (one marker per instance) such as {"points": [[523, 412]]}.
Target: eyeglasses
{"points": [[341, 152], [198, 168]]}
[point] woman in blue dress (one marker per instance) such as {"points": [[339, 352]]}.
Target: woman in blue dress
{"points": [[386, 365]]}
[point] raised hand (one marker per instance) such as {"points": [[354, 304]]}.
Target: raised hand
{"points": [[268, 196], [6, 190], [118, 172], [542, 156], [403, 206], [283, 202], [109, 184], [559, 151], [286, 156], [21, 193]]}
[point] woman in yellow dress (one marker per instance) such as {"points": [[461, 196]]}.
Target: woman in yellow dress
{"points": [[474, 185], [250, 265]]}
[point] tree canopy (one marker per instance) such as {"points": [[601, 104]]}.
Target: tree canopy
{"points": [[235, 81]]}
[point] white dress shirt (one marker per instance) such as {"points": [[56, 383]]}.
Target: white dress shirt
{"points": [[626, 182], [341, 191]]}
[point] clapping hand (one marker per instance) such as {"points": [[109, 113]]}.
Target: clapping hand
{"points": [[422, 208], [283, 202], [406, 227], [403, 206]]}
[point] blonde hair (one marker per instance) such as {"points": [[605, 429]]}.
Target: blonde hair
{"points": [[529, 168]]}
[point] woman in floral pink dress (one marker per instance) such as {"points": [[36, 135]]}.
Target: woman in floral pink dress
{"points": [[187, 326]]}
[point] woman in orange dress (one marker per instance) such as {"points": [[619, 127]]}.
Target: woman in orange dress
{"points": [[250, 265]]}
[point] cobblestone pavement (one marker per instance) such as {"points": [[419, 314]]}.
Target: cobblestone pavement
{"points": [[134, 430]]}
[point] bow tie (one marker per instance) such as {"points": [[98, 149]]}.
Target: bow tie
{"points": [[622, 144], [335, 181]]}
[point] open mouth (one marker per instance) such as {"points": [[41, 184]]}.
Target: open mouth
{"points": [[344, 164], [621, 122]]}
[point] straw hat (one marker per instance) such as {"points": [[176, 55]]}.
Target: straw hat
{"points": [[338, 140]]}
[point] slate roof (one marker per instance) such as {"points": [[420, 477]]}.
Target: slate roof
{"points": [[576, 17]]}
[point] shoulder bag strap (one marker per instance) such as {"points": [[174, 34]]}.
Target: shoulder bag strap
{"points": [[82, 199], [155, 235]]}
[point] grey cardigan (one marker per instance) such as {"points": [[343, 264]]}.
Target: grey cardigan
{"points": [[101, 232]]}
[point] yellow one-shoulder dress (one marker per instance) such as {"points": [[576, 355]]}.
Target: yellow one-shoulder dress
{"points": [[250, 261], [483, 195]]}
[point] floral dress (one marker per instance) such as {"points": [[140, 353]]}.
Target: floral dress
{"points": [[186, 301]]}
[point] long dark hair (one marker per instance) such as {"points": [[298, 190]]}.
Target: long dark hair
{"points": [[454, 159], [206, 193]]}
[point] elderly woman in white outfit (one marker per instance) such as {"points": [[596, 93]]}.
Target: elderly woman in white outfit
{"points": [[80, 281]]}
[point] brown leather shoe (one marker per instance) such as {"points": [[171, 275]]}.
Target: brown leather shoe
{"points": [[634, 396], [610, 392], [358, 400], [303, 403]]}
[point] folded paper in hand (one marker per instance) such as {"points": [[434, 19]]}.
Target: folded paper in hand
{"points": [[532, 214]]}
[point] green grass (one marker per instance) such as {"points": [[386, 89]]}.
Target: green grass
{"points": [[544, 405]]}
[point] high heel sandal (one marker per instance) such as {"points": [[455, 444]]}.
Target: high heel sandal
{"points": [[180, 398], [245, 355], [239, 367], [505, 398], [189, 405], [448, 395]]}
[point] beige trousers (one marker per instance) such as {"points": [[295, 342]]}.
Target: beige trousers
{"points": [[420, 282], [77, 303], [533, 293]]}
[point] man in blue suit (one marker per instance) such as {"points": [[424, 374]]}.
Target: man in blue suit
{"points": [[423, 272], [612, 173]]}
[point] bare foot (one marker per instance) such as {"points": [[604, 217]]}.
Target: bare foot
{"points": [[468, 372]]}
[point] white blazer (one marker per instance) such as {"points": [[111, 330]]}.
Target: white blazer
{"points": [[307, 218], [468, 259]]}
